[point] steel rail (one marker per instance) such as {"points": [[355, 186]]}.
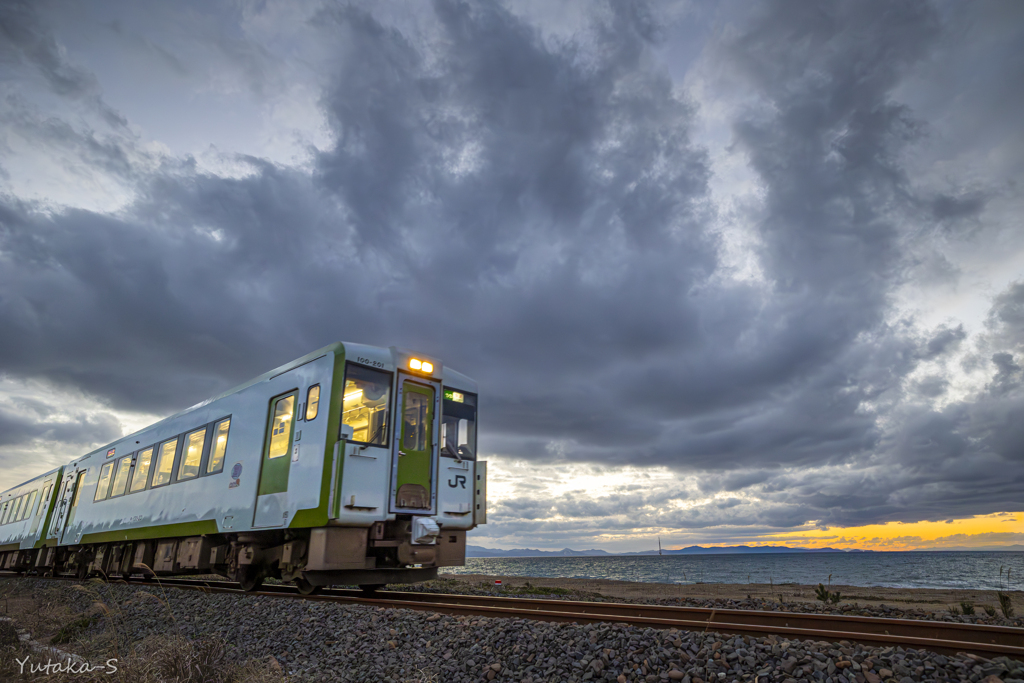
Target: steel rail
{"points": [[938, 636]]}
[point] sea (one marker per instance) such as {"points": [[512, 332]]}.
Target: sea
{"points": [[965, 570]]}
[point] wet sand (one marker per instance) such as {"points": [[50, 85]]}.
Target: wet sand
{"points": [[928, 599]]}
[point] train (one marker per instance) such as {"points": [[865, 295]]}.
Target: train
{"points": [[352, 465]]}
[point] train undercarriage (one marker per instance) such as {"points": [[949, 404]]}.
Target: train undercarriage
{"points": [[310, 558]]}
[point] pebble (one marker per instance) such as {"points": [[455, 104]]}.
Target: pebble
{"points": [[314, 641]]}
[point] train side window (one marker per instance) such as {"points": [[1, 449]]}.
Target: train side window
{"points": [[15, 507], [220, 445], [458, 425], [165, 462], [141, 473], [3, 513], [281, 436], [44, 498], [312, 402], [79, 485], [193, 455], [366, 401], [30, 504], [121, 476], [103, 486]]}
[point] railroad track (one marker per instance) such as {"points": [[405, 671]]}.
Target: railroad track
{"points": [[937, 636]]}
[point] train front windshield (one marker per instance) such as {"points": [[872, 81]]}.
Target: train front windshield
{"points": [[458, 427]]}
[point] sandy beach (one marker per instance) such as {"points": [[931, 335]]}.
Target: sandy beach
{"points": [[928, 599]]}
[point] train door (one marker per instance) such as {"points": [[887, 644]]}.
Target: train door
{"points": [[272, 495], [44, 502], [414, 458], [65, 513]]}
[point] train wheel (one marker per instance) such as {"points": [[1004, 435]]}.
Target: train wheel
{"points": [[371, 589], [251, 579], [305, 587]]}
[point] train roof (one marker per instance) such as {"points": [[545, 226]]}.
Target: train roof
{"points": [[449, 378], [33, 480]]}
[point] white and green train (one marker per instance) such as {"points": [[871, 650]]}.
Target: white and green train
{"points": [[353, 465]]}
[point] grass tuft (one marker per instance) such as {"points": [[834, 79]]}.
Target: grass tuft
{"points": [[73, 629], [827, 596], [1005, 604]]}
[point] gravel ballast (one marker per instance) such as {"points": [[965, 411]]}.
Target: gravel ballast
{"points": [[322, 641]]}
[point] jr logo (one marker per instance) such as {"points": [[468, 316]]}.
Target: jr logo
{"points": [[460, 481]]}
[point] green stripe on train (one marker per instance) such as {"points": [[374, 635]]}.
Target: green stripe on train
{"points": [[204, 528]]}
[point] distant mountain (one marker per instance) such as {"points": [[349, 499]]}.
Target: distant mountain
{"points": [[479, 551], [759, 549], [1018, 548]]}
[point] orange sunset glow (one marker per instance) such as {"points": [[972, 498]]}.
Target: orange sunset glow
{"points": [[998, 529]]}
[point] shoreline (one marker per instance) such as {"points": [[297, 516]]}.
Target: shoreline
{"points": [[931, 599]]}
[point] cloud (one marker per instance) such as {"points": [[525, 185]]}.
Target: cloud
{"points": [[29, 42], [537, 209]]}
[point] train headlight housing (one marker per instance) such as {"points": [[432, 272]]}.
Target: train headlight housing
{"points": [[421, 365]]}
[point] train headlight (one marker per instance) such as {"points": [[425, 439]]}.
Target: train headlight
{"points": [[421, 365]]}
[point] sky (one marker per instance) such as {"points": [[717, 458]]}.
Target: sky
{"points": [[726, 272]]}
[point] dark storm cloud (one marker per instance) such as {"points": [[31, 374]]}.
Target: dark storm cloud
{"points": [[1006, 318], [946, 339], [156, 310], [27, 41], [92, 151], [22, 422], [827, 146], [535, 211], [946, 207]]}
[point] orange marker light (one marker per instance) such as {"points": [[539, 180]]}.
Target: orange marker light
{"points": [[428, 367], [415, 364]]}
